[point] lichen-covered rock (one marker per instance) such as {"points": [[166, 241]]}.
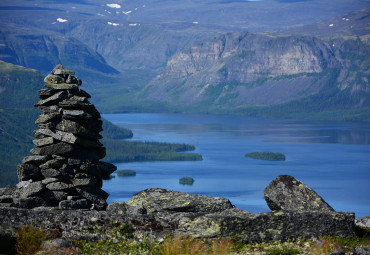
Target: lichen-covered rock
{"points": [[361, 251], [289, 194], [74, 204], [157, 212], [268, 227], [363, 222], [156, 200]]}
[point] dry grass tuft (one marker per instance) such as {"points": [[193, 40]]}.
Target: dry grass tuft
{"points": [[192, 246], [324, 246], [29, 240]]}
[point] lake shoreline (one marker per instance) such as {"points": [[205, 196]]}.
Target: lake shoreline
{"points": [[331, 158]]}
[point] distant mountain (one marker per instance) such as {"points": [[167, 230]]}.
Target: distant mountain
{"points": [[237, 72], [119, 48], [349, 24], [33, 48], [18, 86], [243, 69]]}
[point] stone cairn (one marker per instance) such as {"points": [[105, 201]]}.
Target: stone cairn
{"points": [[65, 170]]}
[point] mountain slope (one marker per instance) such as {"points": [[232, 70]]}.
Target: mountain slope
{"points": [[17, 116], [33, 48], [237, 72]]}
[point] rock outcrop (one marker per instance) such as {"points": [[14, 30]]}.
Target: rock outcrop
{"points": [[238, 69], [289, 194], [158, 212], [65, 170]]}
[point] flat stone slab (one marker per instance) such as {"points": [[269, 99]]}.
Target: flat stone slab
{"points": [[62, 86], [52, 100]]}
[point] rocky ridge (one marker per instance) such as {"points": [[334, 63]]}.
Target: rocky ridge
{"points": [[243, 69], [156, 212], [65, 170]]}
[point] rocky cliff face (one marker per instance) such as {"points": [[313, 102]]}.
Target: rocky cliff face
{"points": [[240, 70], [252, 69], [251, 56]]}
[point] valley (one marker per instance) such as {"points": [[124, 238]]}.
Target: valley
{"points": [[238, 57], [241, 57]]}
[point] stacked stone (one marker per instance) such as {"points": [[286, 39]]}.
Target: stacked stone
{"points": [[65, 170]]}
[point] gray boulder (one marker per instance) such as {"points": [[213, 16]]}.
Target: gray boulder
{"points": [[157, 200], [363, 222], [289, 194], [32, 189], [361, 251]]}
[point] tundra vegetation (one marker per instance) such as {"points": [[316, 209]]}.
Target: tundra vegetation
{"points": [[121, 241]]}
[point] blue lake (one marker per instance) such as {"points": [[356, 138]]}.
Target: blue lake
{"points": [[331, 158]]}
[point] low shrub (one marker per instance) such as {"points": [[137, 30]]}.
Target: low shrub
{"points": [[324, 246], [29, 240]]}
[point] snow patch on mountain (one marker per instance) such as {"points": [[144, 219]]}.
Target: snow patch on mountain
{"points": [[116, 6], [61, 20]]}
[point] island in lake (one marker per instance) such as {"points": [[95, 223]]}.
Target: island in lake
{"points": [[272, 156], [126, 173]]}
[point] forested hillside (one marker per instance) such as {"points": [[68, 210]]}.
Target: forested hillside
{"points": [[18, 93]]}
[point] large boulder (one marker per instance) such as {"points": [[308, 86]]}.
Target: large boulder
{"points": [[157, 200], [289, 194]]}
